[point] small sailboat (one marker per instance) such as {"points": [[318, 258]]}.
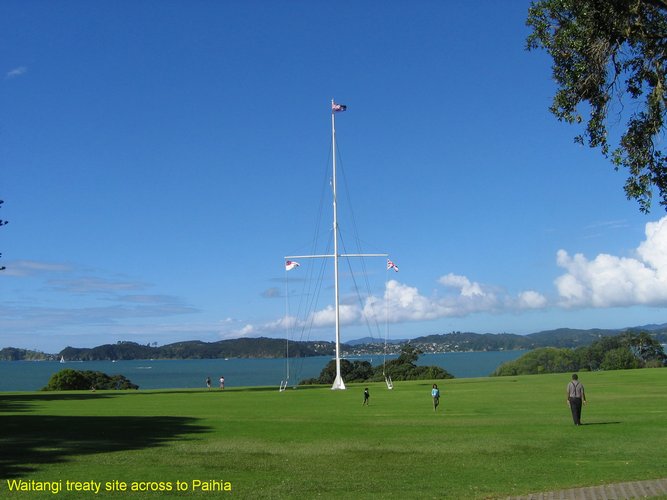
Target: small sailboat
{"points": [[62, 359]]}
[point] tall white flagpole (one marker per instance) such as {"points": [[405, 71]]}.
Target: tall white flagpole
{"points": [[338, 381]]}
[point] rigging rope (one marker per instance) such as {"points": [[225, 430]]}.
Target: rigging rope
{"points": [[364, 271], [313, 281]]}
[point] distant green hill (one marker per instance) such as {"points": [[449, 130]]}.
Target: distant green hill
{"points": [[264, 347], [562, 337], [568, 337], [14, 354], [195, 349], [468, 341]]}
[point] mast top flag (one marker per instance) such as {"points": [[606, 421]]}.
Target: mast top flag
{"points": [[337, 107], [338, 384]]}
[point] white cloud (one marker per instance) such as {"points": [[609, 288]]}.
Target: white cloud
{"points": [[403, 303], [271, 293], [246, 331], [531, 299], [324, 317], [610, 281], [605, 281], [653, 250], [81, 303], [21, 70], [92, 284], [231, 328], [20, 268], [467, 288], [27, 319]]}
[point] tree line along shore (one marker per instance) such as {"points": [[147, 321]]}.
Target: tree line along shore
{"points": [[627, 350], [263, 347]]}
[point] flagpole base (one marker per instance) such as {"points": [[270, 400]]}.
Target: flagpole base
{"points": [[338, 384]]}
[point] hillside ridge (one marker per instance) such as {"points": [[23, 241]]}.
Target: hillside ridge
{"points": [[264, 347]]}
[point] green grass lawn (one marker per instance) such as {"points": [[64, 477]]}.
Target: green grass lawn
{"points": [[491, 437]]}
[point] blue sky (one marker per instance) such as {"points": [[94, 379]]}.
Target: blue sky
{"points": [[159, 159]]}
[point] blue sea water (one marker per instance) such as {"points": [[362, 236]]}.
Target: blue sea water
{"points": [[191, 373]]}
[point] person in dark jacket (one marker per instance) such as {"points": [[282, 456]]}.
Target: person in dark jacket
{"points": [[576, 398]]}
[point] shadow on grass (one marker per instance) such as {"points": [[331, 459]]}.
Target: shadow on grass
{"points": [[12, 403], [27, 441]]}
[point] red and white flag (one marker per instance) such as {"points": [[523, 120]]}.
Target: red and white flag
{"points": [[338, 107], [290, 264], [391, 265]]}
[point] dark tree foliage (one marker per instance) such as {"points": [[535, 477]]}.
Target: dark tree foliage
{"points": [[620, 358], [77, 380], [621, 352], [609, 62], [402, 368], [351, 371], [543, 360], [405, 368], [645, 348]]}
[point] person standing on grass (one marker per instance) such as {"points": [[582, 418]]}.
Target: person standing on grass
{"points": [[208, 383], [222, 382], [435, 394], [367, 396], [576, 397]]}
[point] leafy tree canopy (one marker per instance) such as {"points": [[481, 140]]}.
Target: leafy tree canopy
{"points": [[622, 352], [78, 380], [351, 371], [401, 368], [609, 61]]}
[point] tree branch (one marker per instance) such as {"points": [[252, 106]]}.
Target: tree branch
{"points": [[660, 4]]}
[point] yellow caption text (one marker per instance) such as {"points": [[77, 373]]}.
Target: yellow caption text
{"points": [[98, 487]]}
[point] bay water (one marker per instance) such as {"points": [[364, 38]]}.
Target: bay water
{"points": [[191, 373]]}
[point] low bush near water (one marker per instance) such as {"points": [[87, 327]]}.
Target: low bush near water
{"points": [[77, 380]]}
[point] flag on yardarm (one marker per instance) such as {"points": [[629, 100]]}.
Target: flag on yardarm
{"points": [[391, 265], [338, 107], [290, 264]]}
